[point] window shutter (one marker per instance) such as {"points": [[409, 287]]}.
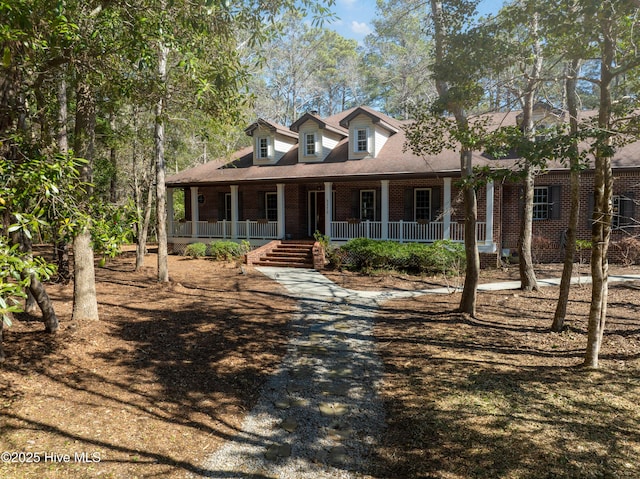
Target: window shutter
{"points": [[408, 204], [355, 203], [626, 212], [262, 212], [378, 205], [221, 208], [436, 205], [555, 200]]}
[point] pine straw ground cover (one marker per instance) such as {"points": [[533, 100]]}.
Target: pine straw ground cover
{"points": [[154, 386], [500, 396], [170, 370]]}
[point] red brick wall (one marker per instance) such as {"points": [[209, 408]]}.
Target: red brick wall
{"points": [[547, 234]]}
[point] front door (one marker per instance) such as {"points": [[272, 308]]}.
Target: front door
{"points": [[316, 212]]}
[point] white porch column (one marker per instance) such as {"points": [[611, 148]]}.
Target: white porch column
{"points": [[446, 210], [280, 232], [384, 208], [195, 212], [328, 207], [489, 213], [234, 211], [170, 211]]}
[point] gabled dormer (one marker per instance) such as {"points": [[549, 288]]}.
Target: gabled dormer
{"points": [[368, 132], [316, 137], [544, 116], [270, 141]]}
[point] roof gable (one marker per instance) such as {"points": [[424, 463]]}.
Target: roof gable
{"points": [[322, 124], [377, 118], [273, 127]]}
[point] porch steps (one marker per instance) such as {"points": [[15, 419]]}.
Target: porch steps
{"points": [[289, 254]]}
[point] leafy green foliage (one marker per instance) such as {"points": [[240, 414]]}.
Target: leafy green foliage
{"points": [[111, 227], [362, 254], [228, 250], [195, 250], [15, 268]]}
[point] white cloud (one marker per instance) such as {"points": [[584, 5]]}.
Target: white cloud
{"points": [[349, 3], [360, 28]]}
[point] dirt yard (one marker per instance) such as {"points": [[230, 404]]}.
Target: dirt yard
{"points": [[169, 371]]}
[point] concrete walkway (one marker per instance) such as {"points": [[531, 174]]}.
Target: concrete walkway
{"points": [[319, 416]]}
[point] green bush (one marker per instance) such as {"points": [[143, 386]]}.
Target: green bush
{"points": [[362, 254], [228, 250], [195, 250]]}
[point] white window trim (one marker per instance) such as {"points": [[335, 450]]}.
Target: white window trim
{"points": [[259, 148], [415, 202], [374, 203], [305, 150], [356, 142], [547, 204]]}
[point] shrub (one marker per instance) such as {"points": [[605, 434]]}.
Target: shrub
{"points": [[628, 250], [195, 250], [364, 254], [228, 250]]}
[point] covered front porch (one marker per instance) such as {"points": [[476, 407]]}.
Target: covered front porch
{"points": [[339, 210]]}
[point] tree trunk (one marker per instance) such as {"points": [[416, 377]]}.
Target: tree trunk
{"points": [[528, 280], [574, 212], [161, 191], [113, 159], [603, 187], [141, 247], [43, 301], [85, 304], [472, 271], [61, 244]]}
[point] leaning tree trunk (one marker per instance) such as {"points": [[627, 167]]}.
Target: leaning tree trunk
{"points": [[43, 301], [574, 208]]}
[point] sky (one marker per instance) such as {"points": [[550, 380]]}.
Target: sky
{"points": [[355, 16]]}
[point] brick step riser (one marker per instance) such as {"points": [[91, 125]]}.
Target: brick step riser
{"points": [[293, 254], [284, 265]]}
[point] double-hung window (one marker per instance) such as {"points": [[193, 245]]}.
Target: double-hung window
{"points": [[541, 203], [271, 206], [310, 144], [368, 205], [362, 140], [422, 204], [263, 147]]}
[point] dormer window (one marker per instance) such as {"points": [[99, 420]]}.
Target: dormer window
{"points": [[310, 144], [362, 140], [263, 147]]}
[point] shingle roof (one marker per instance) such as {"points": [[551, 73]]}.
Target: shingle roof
{"points": [[392, 161]]}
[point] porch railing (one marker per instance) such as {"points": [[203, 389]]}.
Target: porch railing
{"points": [[401, 231], [248, 229]]}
